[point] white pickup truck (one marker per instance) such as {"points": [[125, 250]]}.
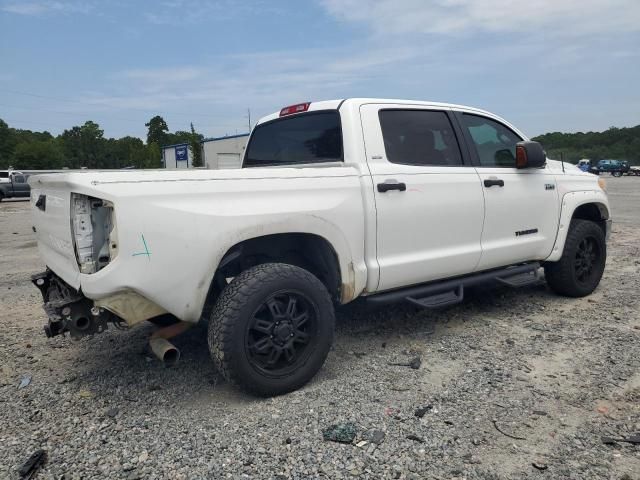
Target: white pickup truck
{"points": [[388, 200]]}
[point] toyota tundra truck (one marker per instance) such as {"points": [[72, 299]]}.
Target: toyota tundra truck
{"points": [[379, 200]]}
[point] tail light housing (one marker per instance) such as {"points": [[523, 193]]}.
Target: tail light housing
{"points": [[94, 232]]}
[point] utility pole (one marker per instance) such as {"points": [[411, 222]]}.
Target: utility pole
{"points": [[249, 117]]}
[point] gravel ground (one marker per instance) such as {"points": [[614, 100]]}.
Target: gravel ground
{"points": [[513, 384]]}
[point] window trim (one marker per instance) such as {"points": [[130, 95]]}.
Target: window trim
{"points": [[462, 147], [471, 146], [289, 117]]}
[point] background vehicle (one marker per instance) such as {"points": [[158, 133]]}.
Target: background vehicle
{"points": [[584, 165], [387, 200], [616, 167], [14, 185]]}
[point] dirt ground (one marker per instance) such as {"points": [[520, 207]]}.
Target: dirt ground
{"points": [[513, 384]]}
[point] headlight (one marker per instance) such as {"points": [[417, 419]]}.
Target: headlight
{"points": [[92, 223]]}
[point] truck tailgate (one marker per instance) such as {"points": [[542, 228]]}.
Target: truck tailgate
{"points": [[51, 214]]}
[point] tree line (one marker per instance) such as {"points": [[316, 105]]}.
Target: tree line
{"points": [[85, 146], [614, 143]]}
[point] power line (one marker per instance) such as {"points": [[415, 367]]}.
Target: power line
{"points": [[65, 113], [70, 100]]}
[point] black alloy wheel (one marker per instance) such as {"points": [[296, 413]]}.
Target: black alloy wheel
{"points": [[279, 334], [587, 255]]}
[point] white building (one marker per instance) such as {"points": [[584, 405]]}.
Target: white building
{"points": [[221, 152]]}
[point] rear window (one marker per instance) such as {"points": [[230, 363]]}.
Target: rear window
{"points": [[314, 137], [4, 174]]}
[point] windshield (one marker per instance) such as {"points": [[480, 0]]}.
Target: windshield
{"points": [[313, 137]]}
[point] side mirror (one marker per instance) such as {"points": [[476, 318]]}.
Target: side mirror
{"points": [[530, 155]]}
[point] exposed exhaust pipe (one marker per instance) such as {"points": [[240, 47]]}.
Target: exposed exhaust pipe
{"points": [[165, 351], [162, 347]]}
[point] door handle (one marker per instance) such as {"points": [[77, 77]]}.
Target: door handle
{"points": [[391, 185], [490, 182]]}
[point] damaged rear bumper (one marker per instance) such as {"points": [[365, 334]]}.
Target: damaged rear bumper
{"points": [[68, 310]]}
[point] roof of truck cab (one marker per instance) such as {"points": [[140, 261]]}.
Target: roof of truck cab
{"points": [[336, 104]]}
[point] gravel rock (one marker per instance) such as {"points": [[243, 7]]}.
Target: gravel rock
{"points": [[567, 357]]}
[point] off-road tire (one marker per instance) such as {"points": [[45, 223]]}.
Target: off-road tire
{"points": [[1, 196], [561, 276], [236, 308]]}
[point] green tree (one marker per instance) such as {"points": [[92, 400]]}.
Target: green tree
{"points": [[157, 132], [84, 146], [38, 155], [154, 156], [177, 137], [7, 144], [196, 148]]}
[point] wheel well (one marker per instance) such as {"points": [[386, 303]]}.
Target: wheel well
{"points": [[592, 211], [304, 250]]}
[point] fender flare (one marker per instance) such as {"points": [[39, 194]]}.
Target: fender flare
{"points": [[570, 202]]}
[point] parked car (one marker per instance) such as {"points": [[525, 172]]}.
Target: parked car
{"points": [[616, 167], [379, 200], [584, 165], [14, 185]]}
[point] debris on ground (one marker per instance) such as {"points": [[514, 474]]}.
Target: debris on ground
{"points": [[31, 466], [112, 412], [495, 424], [633, 439], [421, 411], [413, 363], [415, 438], [341, 433], [539, 465], [191, 430], [85, 394], [374, 436], [24, 381]]}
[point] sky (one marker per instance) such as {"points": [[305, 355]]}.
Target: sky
{"points": [[544, 65]]}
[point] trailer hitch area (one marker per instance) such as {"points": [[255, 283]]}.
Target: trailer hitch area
{"points": [[68, 310]]}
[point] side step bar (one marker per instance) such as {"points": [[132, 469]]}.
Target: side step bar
{"points": [[450, 292]]}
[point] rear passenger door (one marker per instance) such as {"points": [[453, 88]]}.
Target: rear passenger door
{"points": [[521, 205], [429, 204]]}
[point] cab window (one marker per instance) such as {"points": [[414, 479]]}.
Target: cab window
{"points": [[419, 137], [494, 143], [313, 137]]}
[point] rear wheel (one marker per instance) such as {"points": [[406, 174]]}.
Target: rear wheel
{"points": [[579, 270], [271, 329]]}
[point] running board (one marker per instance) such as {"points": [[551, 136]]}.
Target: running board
{"points": [[449, 292], [520, 280], [439, 300]]}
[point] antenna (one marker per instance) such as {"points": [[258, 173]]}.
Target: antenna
{"points": [[249, 118], [562, 160]]}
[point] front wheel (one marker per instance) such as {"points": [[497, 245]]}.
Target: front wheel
{"points": [[271, 329], [616, 174], [579, 270]]}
